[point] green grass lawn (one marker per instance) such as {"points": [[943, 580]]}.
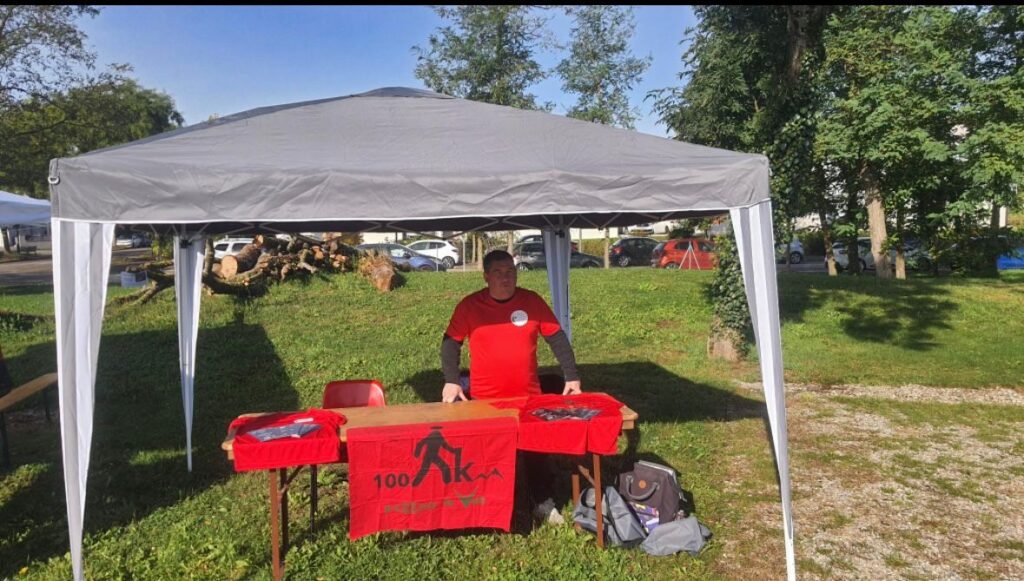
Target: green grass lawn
{"points": [[639, 334]]}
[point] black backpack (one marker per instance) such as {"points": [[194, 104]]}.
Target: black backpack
{"points": [[652, 489]]}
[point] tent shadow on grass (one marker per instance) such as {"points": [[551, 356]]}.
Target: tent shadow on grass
{"points": [[138, 459]]}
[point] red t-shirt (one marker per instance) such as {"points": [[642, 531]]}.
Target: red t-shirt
{"points": [[598, 434], [320, 446], [502, 341]]}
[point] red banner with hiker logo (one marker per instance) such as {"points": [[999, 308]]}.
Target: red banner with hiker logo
{"points": [[423, 477]]}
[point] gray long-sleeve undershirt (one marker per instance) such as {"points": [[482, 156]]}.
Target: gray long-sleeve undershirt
{"points": [[451, 352]]}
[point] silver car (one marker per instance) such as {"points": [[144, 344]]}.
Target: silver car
{"points": [[796, 251], [914, 253]]}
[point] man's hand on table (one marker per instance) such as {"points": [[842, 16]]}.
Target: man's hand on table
{"points": [[572, 388], [452, 392]]}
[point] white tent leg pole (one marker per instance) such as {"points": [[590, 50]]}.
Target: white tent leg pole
{"points": [[188, 267], [755, 241], [81, 263], [557, 250]]}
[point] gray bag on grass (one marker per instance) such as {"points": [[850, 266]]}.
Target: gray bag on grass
{"points": [[687, 534], [621, 525]]}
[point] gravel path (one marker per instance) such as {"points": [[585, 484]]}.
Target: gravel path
{"points": [[910, 392]]}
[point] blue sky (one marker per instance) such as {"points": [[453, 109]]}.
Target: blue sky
{"points": [[225, 59]]}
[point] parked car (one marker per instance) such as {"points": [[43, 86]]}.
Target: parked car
{"points": [[632, 250], [686, 253], [914, 253], [540, 239], [1011, 260], [403, 256], [641, 230], [133, 240], [530, 256], [229, 247], [442, 250], [796, 251]]}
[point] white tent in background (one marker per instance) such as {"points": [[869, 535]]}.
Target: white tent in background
{"points": [[15, 209], [396, 160]]}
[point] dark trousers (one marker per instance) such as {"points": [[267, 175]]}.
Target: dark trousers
{"points": [[539, 475]]}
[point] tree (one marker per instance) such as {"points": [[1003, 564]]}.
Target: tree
{"points": [[730, 324], [992, 149], [41, 50], [114, 111], [601, 71], [600, 68], [747, 91], [486, 56], [895, 77]]}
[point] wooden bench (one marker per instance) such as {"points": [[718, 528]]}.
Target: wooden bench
{"points": [[16, 395]]}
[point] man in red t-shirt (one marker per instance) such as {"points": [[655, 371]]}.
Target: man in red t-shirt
{"points": [[502, 323]]}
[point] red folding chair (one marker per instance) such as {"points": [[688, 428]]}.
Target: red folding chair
{"points": [[353, 393], [346, 393]]}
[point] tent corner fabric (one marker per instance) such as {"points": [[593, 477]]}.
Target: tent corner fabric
{"points": [[755, 241], [387, 160], [81, 261]]}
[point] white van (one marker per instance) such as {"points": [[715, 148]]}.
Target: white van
{"points": [[229, 247]]}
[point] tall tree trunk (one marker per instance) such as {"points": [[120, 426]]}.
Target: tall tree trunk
{"points": [[826, 236], [901, 263], [821, 185], [480, 252], [803, 24], [511, 240], [789, 247], [876, 226], [852, 248], [994, 224], [5, 235]]}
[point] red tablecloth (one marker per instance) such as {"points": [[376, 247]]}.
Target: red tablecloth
{"points": [[422, 477]]}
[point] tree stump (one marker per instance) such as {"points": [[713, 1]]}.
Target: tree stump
{"points": [[380, 270], [724, 343], [722, 348]]}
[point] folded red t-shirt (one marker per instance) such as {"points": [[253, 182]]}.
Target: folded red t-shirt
{"points": [[309, 437], [568, 424]]}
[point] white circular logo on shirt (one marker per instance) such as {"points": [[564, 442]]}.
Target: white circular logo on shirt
{"points": [[519, 318]]}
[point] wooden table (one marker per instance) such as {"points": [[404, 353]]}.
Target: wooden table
{"points": [[406, 414]]}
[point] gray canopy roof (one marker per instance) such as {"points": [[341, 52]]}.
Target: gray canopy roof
{"points": [[401, 159]]}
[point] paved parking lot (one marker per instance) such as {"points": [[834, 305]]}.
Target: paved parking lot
{"points": [[40, 270]]}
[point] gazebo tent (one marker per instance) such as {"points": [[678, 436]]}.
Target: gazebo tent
{"points": [[392, 159], [15, 209]]}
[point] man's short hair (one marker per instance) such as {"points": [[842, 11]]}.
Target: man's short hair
{"points": [[495, 256]]}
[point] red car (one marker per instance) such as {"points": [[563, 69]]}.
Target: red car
{"points": [[687, 253]]}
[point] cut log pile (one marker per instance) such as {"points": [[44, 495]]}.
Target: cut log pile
{"points": [[248, 273], [275, 259]]}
